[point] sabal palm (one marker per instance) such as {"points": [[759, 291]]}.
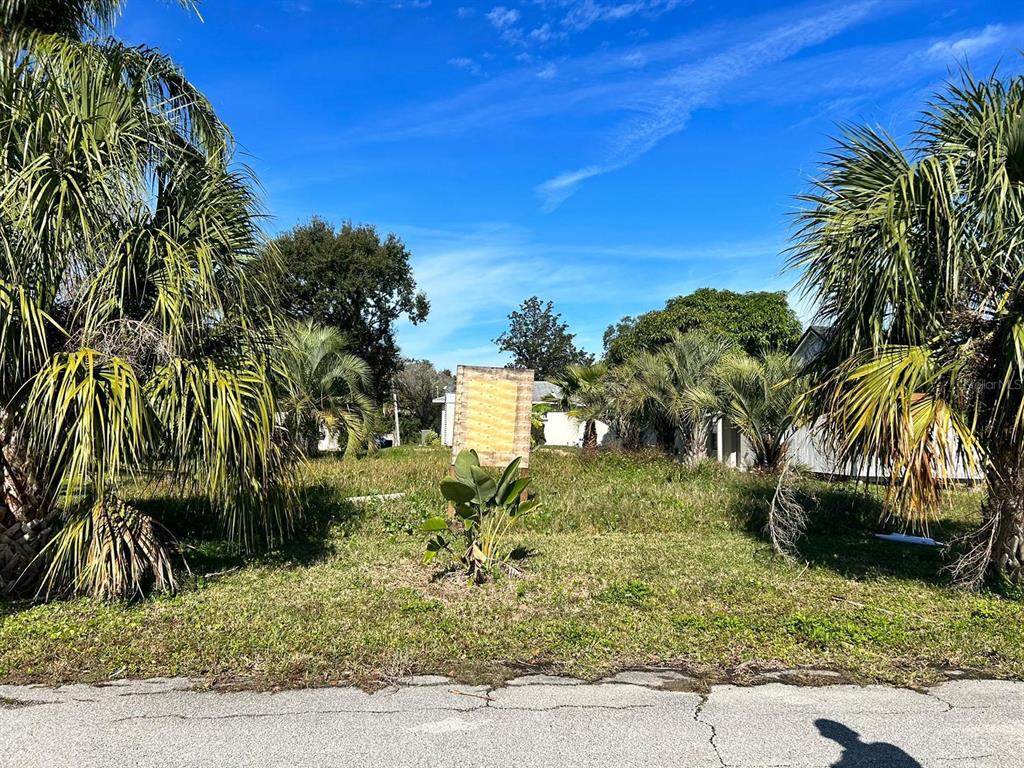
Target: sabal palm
{"points": [[135, 334], [917, 257], [323, 387], [759, 398], [583, 395]]}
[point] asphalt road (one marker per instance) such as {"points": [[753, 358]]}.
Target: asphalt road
{"points": [[635, 719]]}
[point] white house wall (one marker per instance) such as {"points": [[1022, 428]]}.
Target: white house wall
{"points": [[448, 419], [328, 442], [562, 429], [809, 448]]}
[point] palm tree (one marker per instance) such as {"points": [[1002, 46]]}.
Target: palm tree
{"points": [[582, 395], [323, 388], [692, 359], [916, 257], [759, 397], [670, 391], [69, 18], [135, 329]]}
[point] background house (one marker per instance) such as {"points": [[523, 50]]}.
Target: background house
{"points": [[559, 427]]}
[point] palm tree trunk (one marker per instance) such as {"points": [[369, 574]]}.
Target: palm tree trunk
{"points": [[1004, 511], [25, 523], [590, 436], [695, 449], [19, 496]]}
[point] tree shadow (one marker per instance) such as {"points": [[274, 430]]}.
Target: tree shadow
{"points": [[842, 521], [200, 533], [861, 754]]}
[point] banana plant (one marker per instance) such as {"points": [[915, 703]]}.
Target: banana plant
{"points": [[483, 511]]}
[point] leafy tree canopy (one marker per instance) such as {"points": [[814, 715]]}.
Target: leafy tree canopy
{"points": [[538, 338], [353, 280], [759, 321], [417, 384]]}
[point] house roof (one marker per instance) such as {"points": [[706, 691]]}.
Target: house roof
{"points": [[542, 390], [811, 343]]}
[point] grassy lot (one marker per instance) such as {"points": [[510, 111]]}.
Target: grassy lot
{"points": [[638, 562]]}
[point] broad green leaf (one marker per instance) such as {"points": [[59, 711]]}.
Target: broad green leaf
{"points": [[485, 486], [466, 512], [464, 464], [528, 506], [508, 477], [456, 491], [434, 524], [514, 491]]}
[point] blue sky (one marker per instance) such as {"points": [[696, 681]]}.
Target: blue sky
{"points": [[604, 154]]}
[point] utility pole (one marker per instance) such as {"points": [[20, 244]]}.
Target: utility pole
{"points": [[394, 402]]}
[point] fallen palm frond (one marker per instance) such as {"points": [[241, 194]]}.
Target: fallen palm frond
{"points": [[787, 517]]}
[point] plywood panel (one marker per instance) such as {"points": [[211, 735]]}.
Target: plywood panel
{"points": [[492, 414]]}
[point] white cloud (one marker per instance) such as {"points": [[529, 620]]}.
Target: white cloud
{"points": [[544, 33], [547, 72], [557, 190], [659, 84], [502, 17], [962, 48], [635, 59], [466, 63], [585, 13], [475, 278]]}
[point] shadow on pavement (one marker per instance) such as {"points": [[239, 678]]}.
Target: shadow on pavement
{"points": [[860, 754]]}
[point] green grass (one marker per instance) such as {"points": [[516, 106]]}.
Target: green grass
{"points": [[637, 561]]}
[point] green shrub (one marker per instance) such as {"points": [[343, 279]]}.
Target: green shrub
{"points": [[485, 510]]}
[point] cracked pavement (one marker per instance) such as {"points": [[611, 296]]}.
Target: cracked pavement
{"points": [[633, 719]]}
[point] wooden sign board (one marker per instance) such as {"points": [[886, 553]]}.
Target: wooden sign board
{"points": [[493, 408]]}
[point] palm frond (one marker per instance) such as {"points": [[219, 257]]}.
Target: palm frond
{"points": [[108, 550], [887, 409], [223, 440], [88, 422]]}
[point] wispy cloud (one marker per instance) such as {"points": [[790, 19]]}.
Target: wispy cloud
{"points": [[545, 33], [466, 63], [583, 14], [672, 99], [502, 17], [547, 72], [963, 48], [466, 308], [624, 101]]}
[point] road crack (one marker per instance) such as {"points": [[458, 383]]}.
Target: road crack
{"points": [[610, 707], [300, 713], [712, 738], [949, 704]]}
